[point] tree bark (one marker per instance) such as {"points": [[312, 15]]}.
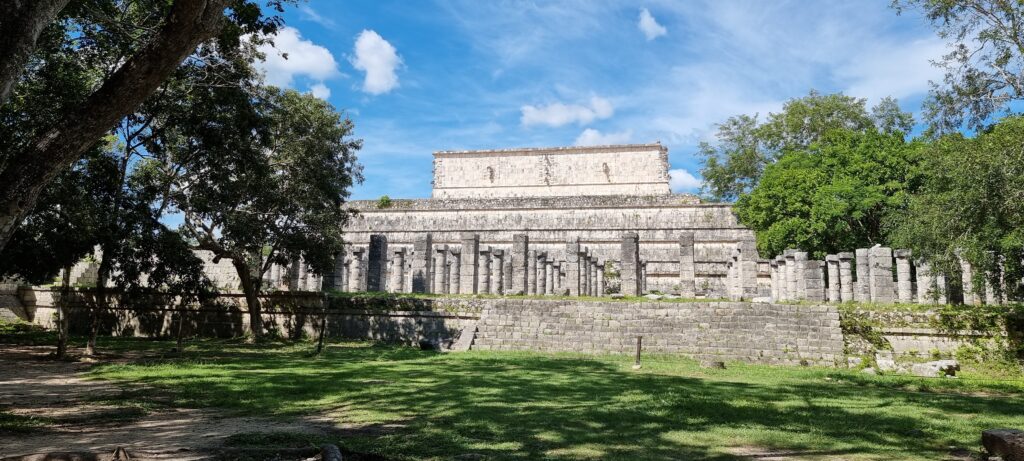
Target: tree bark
{"points": [[101, 304], [20, 25], [62, 323], [189, 23], [252, 299]]}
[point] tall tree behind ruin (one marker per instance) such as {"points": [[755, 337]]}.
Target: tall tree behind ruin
{"points": [[746, 146], [122, 51], [261, 176], [985, 64]]}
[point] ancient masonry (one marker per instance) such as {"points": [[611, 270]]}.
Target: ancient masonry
{"points": [[877, 275], [579, 221]]}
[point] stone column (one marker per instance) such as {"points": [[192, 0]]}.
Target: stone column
{"points": [[643, 277], [542, 281], [687, 274], [924, 281], [783, 278], [800, 259], [748, 269], [531, 272], [556, 268], [337, 272], [506, 271], [881, 285], [440, 264], [600, 278], [834, 282], [967, 280], [397, 282], [845, 276], [773, 273], [595, 274], [791, 275], [468, 261], [421, 258], [455, 270], [814, 281], [301, 275], [377, 263], [863, 293], [484, 282], [293, 275], [497, 271], [904, 284], [630, 261], [346, 272], [572, 267], [356, 274], [585, 273], [520, 250]]}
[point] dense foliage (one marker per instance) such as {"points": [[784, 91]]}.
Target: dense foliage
{"points": [[746, 146], [971, 204], [834, 195]]}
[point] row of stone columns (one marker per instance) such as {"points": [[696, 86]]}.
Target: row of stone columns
{"points": [[867, 275], [741, 272]]}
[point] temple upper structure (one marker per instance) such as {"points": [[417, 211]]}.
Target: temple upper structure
{"points": [[634, 169]]}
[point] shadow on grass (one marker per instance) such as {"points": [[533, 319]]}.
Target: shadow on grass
{"points": [[531, 406]]}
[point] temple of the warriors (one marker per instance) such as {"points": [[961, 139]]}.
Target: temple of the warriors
{"points": [[513, 210]]}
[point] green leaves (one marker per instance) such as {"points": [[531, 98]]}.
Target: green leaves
{"points": [[832, 196], [745, 147]]}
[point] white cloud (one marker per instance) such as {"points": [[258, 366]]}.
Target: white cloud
{"points": [[379, 60], [320, 90], [558, 114], [310, 14], [649, 26], [681, 180], [592, 137], [305, 58], [893, 69]]}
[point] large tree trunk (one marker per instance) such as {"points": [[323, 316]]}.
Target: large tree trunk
{"points": [[20, 25], [101, 304], [252, 299], [62, 308], [189, 23]]}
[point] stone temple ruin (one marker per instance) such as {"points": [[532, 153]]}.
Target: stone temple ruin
{"points": [[587, 221], [546, 221]]}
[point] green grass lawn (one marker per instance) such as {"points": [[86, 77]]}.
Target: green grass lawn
{"points": [[528, 406]]}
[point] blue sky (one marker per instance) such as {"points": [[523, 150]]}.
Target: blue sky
{"points": [[422, 76]]}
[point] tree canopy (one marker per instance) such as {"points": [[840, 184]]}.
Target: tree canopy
{"points": [[834, 195], [746, 146]]}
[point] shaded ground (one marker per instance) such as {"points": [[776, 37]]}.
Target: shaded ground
{"points": [[405, 404], [64, 412]]}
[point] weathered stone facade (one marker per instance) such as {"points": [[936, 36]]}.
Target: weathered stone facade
{"points": [[591, 195]]}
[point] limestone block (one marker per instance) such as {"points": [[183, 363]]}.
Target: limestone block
{"points": [[936, 368], [397, 274], [572, 267], [629, 257], [1007, 444], [863, 265], [834, 280], [377, 263], [468, 261], [846, 285], [904, 282], [881, 284], [687, 276], [421, 263]]}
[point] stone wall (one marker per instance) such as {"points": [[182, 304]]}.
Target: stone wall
{"points": [[639, 169], [752, 332], [597, 222]]}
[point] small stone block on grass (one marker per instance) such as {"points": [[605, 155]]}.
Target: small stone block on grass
{"points": [[1008, 444]]}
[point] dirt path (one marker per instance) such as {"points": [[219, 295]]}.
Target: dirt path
{"points": [[33, 385]]}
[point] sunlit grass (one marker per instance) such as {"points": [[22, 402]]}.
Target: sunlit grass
{"points": [[504, 405]]}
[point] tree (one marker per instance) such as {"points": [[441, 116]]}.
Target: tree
{"points": [[132, 58], [985, 67], [834, 195], [20, 27], [971, 205], [270, 183], [747, 146]]}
